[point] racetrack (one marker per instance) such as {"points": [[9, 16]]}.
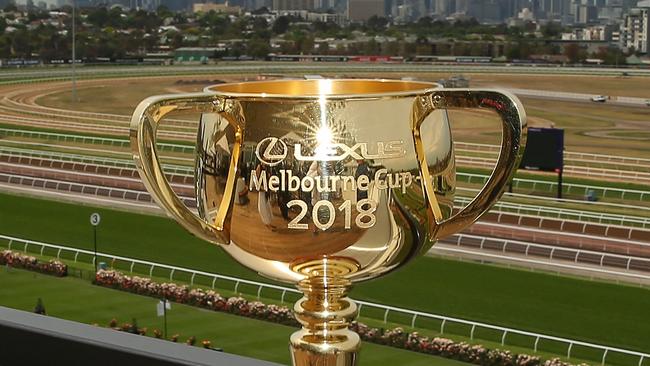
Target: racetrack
{"points": [[67, 133], [50, 148]]}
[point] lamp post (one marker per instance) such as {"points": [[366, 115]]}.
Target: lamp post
{"points": [[74, 51]]}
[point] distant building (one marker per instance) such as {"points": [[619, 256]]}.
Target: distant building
{"points": [[339, 19], [443, 7], [219, 8], [362, 10], [586, 14], [486, 11], [635, 29], [279, 5], [176, 5], [592, 33]]}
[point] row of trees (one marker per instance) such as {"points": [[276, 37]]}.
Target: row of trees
{"points": [[114, 33]]}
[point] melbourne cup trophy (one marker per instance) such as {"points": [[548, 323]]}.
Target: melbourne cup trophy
{"points": [[325, 183]]}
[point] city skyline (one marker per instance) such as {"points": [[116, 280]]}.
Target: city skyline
{"points": [[483, 10]]}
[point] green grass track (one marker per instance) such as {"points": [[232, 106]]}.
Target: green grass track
{"points": [[78, 300], [604, 313]]}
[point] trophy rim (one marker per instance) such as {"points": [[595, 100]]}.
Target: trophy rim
{"points": [[376, 88]]}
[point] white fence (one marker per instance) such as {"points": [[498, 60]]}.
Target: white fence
{"points": [[89, 139], [445, 321], [577, 237], [577, 256], [550, 186], [72, 187], [568, 155], [86, 159], [597, 217], [174, 174], [635, 175]]}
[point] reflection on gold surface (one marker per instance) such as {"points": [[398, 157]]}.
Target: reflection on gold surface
{"points": [[323, 183], [322, 87]]}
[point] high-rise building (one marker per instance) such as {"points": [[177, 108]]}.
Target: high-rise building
{"points": [[176, 5], [556, 9], [635, 29], [461, 6], [586, 14], [293, 5], [362, 10], [489, 11], [443, 7]]}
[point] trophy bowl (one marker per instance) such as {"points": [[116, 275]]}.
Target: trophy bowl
{"points": [[325, 183]]}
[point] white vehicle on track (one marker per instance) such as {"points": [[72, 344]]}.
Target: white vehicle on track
{"points": [[599, 98]]}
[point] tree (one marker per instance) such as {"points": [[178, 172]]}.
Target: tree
{"points": [[115, 19], [376, 24], [574, 53], [281, 25], [519, 50], [163, 12], [258, 48], [610, 55], [98, 17], [11, 7], [551, 30], [21, 45], [371, 47], [260, 27]]}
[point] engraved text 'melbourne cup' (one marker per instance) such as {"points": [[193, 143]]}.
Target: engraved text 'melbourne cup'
{"points": [[323, 183]]}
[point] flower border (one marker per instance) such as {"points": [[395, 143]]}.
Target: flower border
{"points": [[397, 337], [18, 260]]}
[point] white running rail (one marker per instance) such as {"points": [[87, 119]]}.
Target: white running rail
{"points": [[598, 217], [86, 159], [535, 338], [577, 256], [65, 186], [639, 176], [549, 186], [89, 139], [567, 154]]}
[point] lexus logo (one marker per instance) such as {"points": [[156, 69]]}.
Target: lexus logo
{"points": [[271, 151]]}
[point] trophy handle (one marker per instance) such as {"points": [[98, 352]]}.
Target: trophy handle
{"points": [[144, 124], [513, 116]]}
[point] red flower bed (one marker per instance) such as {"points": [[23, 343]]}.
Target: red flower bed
{"points": [[19, 260], [461, 351], [196, 297]]}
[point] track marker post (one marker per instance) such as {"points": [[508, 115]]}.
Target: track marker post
{"points": [[95, 218]]}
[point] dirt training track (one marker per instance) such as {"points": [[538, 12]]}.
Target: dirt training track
{"points": [[22, 107]]}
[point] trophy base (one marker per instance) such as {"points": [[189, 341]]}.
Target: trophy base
{"points": [[338, 349], [325, 313]]}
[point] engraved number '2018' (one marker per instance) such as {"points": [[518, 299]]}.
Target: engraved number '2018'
{"points": [[365, 218]]}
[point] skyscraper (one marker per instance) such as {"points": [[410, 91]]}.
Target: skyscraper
{"points": [[293, 4], [361, 10], [443, 7]]}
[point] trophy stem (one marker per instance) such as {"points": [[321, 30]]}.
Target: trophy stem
{"points": [[325, 313]]}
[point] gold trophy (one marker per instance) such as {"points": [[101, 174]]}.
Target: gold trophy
{"points": [[324, 183]]}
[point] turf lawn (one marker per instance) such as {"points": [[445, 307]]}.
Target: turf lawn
{"points": [[604, 313], [77, 300]]}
